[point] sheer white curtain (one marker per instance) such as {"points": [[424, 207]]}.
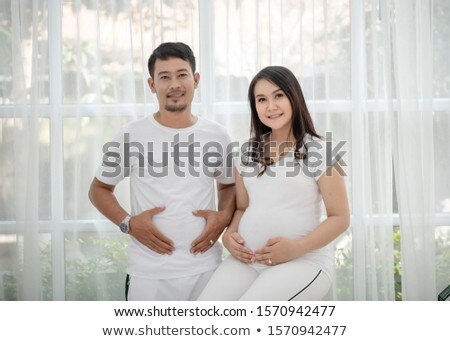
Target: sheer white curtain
{"points": [[25, 138], [371, 163], [400, 79], [73, 72], [413, 152]]}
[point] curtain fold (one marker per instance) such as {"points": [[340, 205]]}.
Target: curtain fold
{"points": [[413, 146], [371, 165], [27, 63]]}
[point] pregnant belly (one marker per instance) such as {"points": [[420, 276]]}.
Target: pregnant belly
{"points": [[257, 227]]}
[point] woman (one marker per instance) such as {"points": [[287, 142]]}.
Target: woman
{"points": [[279, 247]]}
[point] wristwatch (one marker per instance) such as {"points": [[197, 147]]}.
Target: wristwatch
{"points": [[125, 225]]}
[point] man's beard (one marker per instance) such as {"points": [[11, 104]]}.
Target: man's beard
{"points": [[176, 107]]}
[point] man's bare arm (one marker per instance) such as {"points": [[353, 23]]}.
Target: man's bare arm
{"points": [[141, 226], [103, 198], [227, 203]]}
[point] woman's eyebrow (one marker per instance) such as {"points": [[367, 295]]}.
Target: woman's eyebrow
{"points": [[261, 95]]}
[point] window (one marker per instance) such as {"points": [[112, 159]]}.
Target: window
{"points": [[72, 75]]}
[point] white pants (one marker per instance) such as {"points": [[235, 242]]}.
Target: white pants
{"points": [[173, 289], [291, 281]]}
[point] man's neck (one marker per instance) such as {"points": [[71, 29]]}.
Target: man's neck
{"points": [[176, 120]]}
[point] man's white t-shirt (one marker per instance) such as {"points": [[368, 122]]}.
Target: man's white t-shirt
{"points": [[177, 169]]}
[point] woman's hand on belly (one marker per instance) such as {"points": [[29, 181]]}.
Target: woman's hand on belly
{"points": [[235, 245], [278, 250]]}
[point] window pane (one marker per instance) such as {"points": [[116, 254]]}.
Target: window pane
{"points": [[8, 267], [11, 267], [442, 257], [344, 266], [7, 198], [110, 66], [14, 149], [441, 44], [24, 59], [6, 74], [376, 53], [310, 38], [238, 125], [83, 147], [442, 161], [95, 266]]}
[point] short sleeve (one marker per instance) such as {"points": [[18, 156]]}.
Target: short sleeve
{"points": [[243, 160], [238, 153], [320, 156], [112, 170], [224, 172]]}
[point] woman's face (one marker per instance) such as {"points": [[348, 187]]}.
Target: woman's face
{"points": [[273, 107]]}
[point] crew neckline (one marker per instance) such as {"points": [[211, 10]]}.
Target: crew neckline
{"points": [[161, 126]]}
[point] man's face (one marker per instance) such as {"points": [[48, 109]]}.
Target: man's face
{"points": [[174, 84]]}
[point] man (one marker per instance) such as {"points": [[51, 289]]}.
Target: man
{"points": [[173, 159]]}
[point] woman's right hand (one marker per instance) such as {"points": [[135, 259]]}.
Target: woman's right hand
{"points": [[235, 245]]}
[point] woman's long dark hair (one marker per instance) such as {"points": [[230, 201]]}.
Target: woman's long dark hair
{"points": [[301, 123]]}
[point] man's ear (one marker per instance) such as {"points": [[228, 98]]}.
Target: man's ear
{"points": [[196, 80], [151, 84]]}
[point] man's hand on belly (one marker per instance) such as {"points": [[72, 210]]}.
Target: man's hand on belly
{"points": [[143, 229]]}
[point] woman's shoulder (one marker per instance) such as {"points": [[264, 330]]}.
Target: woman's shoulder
{"points": [[245, 153], [311, 142], [312, 138]]}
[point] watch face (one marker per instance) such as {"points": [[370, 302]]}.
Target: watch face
{"points": [[125, 227]]}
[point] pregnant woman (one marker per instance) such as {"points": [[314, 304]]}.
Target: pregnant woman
{"points": [[279, 247]]}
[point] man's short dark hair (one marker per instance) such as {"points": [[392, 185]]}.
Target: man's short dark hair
{"points": [[168, 50]]}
